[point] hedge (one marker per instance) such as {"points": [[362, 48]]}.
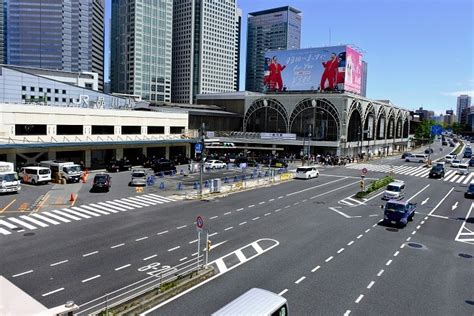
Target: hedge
{"points": [[459, 148], [374, 186]]}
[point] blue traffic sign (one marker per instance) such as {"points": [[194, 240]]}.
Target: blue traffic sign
{"points": [[436, 130], [198, 148]]}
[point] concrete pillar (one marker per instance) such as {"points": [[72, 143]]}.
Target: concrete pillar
{"points": [[118, 153], [51, 154], [87, 158], [11, 157], [145, 151], [167, 152], [188, 150]]}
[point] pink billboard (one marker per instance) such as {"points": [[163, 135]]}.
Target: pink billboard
{"points": [[353, 70]]}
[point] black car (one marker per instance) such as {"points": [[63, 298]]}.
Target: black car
{"points": [[471, 162], [405, 155], [436, 172], [467, 154], [181, 160], [428, 150], [470, 191], [119, 165], [163, 165], [444, 143], [101, 182]]}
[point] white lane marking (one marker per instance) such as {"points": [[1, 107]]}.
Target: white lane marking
{"points": [[174, 248], [357, 301], [213, 217], [314, 187], [408, 239], [124, 203], [315, 269], [181, 227], [239, 209], [288, 206], [213, 234], [34, 221], [367, 230], [304, 200], [396, 253], [193, 241], [271, 200], [418, 193], [164, 198], [142, 238], [296, 203], [402, 246], [58, 263], [66, 215], [371, 284], [150, 257], [135, 203], [91, 278], [255, 218], [240, 255], [20, 274], [227, 213], [442, 200], [283, 292], [281, 197], [250, 206], [426, 217], [52, 292], [228, 228], [340, 250], [418, 227], [414, 232], [182, 259], [116, 246], [22, 223], [122, 267], [388, 262], [80, 214], [360, 236], [116, 204], [163, 232], [350, 242], [422, 222], [373, 215], [99, 209], [4, 231], [59, 218], [263, 202], [375, 225], [347, 313], [439, 216], [90, 254], [340, 212], [329, 259], [266, 214], [277, 210], [380, 272], [300, 280], [80, 210], [243, 223]]}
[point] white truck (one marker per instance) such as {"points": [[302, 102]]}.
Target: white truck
{"points": [[9, 181], [69, 171]]}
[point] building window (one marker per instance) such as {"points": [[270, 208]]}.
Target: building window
{"points": [[23, 88], [56, 99], [32, 89], [89, 85], [69, 130], [102, 129], [156, 130], [64, 91], [64, 100], [176, 129], [131, 130], [56, 91], [23, 97], [48, 90], [30, 129], [40, 89], [48, 98]]}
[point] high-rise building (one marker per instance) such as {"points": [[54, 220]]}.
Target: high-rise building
{"points": [[63, 35], [363, 84], [206, 48], [141, 42], [2, 33], [273, 29], [464, 101]]}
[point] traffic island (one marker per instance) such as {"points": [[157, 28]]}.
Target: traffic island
{"points": [[374, 187]]}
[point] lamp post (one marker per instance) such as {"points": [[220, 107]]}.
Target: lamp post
{"points": [[309, 139]]}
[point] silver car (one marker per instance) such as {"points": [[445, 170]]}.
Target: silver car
{"points": [[138, 177]]}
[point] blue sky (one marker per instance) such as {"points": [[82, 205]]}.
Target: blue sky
{"points": [[420, 52]]}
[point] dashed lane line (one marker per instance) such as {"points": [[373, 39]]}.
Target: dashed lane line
{"points": [[329, 259], [380, 272], [90, 254], [91, 278], [283, 292], [163, 232], [396, 253], [360, 236], [315, 268], [181, 227], [357, 301], [52, 292], [116, 246], [122, 267], [340, 250], [243, 223], [388, 262], [213, 217], [142, 238], [350, 242], [174, 248], [255, 218], [58, 263], [150, 257], [22, 273], [300, 280], [370, 285], [228, 228]]}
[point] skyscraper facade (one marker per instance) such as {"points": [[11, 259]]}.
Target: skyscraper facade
{"points": [[141, 42], [2, 30], [273, 29], [206, 48], [464, 102], [56, 34]]}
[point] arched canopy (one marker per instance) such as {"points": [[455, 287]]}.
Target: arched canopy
{"points": [[266, 115]]}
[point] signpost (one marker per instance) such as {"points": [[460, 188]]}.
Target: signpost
{"points": [[364, 171], [199, 228], [198, 148]]}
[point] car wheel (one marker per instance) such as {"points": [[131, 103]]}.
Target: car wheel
{"points": [[33, 182], [406, 160]]}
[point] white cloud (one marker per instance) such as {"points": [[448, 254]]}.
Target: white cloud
{"points": [[458, 93]]}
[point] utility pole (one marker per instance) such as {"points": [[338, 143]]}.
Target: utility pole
{"points": [[201, 163]]}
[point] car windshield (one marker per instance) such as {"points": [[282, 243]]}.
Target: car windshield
{"points": [[8, 177], [72, 169], [395, 207], [100, 179], [138, 174], [471, 188], [44, 171], [393, 188], [303, 169]]}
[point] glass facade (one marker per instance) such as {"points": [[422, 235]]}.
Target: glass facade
{"points": [[56, 34], [272, 29], [141, 48]]}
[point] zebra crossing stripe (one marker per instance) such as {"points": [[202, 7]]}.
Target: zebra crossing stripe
{"points": [[132, 202], [142, 201], [449, 173], [128, 204], [454, 178], [468, 178], [85, 211], [97, 209], [147, 198], [448, 178], [22, 223], [66, 215], [56, 217], [108, 207], [4, 231], [161, 200], [425, 174], [461, 178], [122, 206], [7, 224], [347, 203], [162, 197], [417, 173], [76, 213], [44, 218], [34, 221]]}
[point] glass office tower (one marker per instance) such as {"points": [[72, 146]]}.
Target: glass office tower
{"points": [[141, 48], [65, 35], [273, 29]]}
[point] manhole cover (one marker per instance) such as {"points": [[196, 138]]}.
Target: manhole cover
{"points": [[393, 230], [414, 245], [465, 256], [17, 228], [28, 234]]}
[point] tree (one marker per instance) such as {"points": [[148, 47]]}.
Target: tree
{"points": [[424, 129]]}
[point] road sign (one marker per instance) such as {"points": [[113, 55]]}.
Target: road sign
{"points": [[364, 171], [198, 148], [436, 130], [199, 222]]}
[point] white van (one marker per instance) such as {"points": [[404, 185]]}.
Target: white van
{"points": [[394, 190], [417, 158], [35, 175], [255, 302], [306, 172], [463, 168], [449, 158]]}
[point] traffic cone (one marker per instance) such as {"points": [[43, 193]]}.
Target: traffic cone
{"points": [[83, 179], [71, 198]]}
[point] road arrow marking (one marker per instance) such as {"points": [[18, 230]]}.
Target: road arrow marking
{"points": [[424, 201], [455, 206]]}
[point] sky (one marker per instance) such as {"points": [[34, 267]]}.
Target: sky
{"points": [[419, 52]]}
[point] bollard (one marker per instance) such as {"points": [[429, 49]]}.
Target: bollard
{"points": [[161, 175], [259, 174], [236, 178], [226, 180], [181, 173], [162, 185], [206, 184], [266, 173], [180, 186], [196, 186]]}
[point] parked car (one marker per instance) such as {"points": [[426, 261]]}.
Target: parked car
{"points": [[470, 191], [163, 165], [181, 160], [398, 212], [119, 165], [428, 150], [138, 177], [405, 154], [437, 172], [467, 153], [215, 164], [444, 143], [455, 163], [308, 172], [101, 182]]}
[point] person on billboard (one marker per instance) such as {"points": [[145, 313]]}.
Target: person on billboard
{"points": [[266, 74], [329, 73], [275, 74], [341, 71]]}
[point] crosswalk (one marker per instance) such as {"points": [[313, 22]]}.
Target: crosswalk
{"points": [[76, 213], [450, 175]]}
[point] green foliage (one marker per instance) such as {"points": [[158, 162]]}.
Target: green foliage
{"points": [[374, 186], [424, 129], [458, 149]]}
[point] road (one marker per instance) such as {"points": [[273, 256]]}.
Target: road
{"points": [[330, 255]]}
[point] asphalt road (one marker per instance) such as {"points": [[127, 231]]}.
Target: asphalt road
{"points": [[330, 257]]}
